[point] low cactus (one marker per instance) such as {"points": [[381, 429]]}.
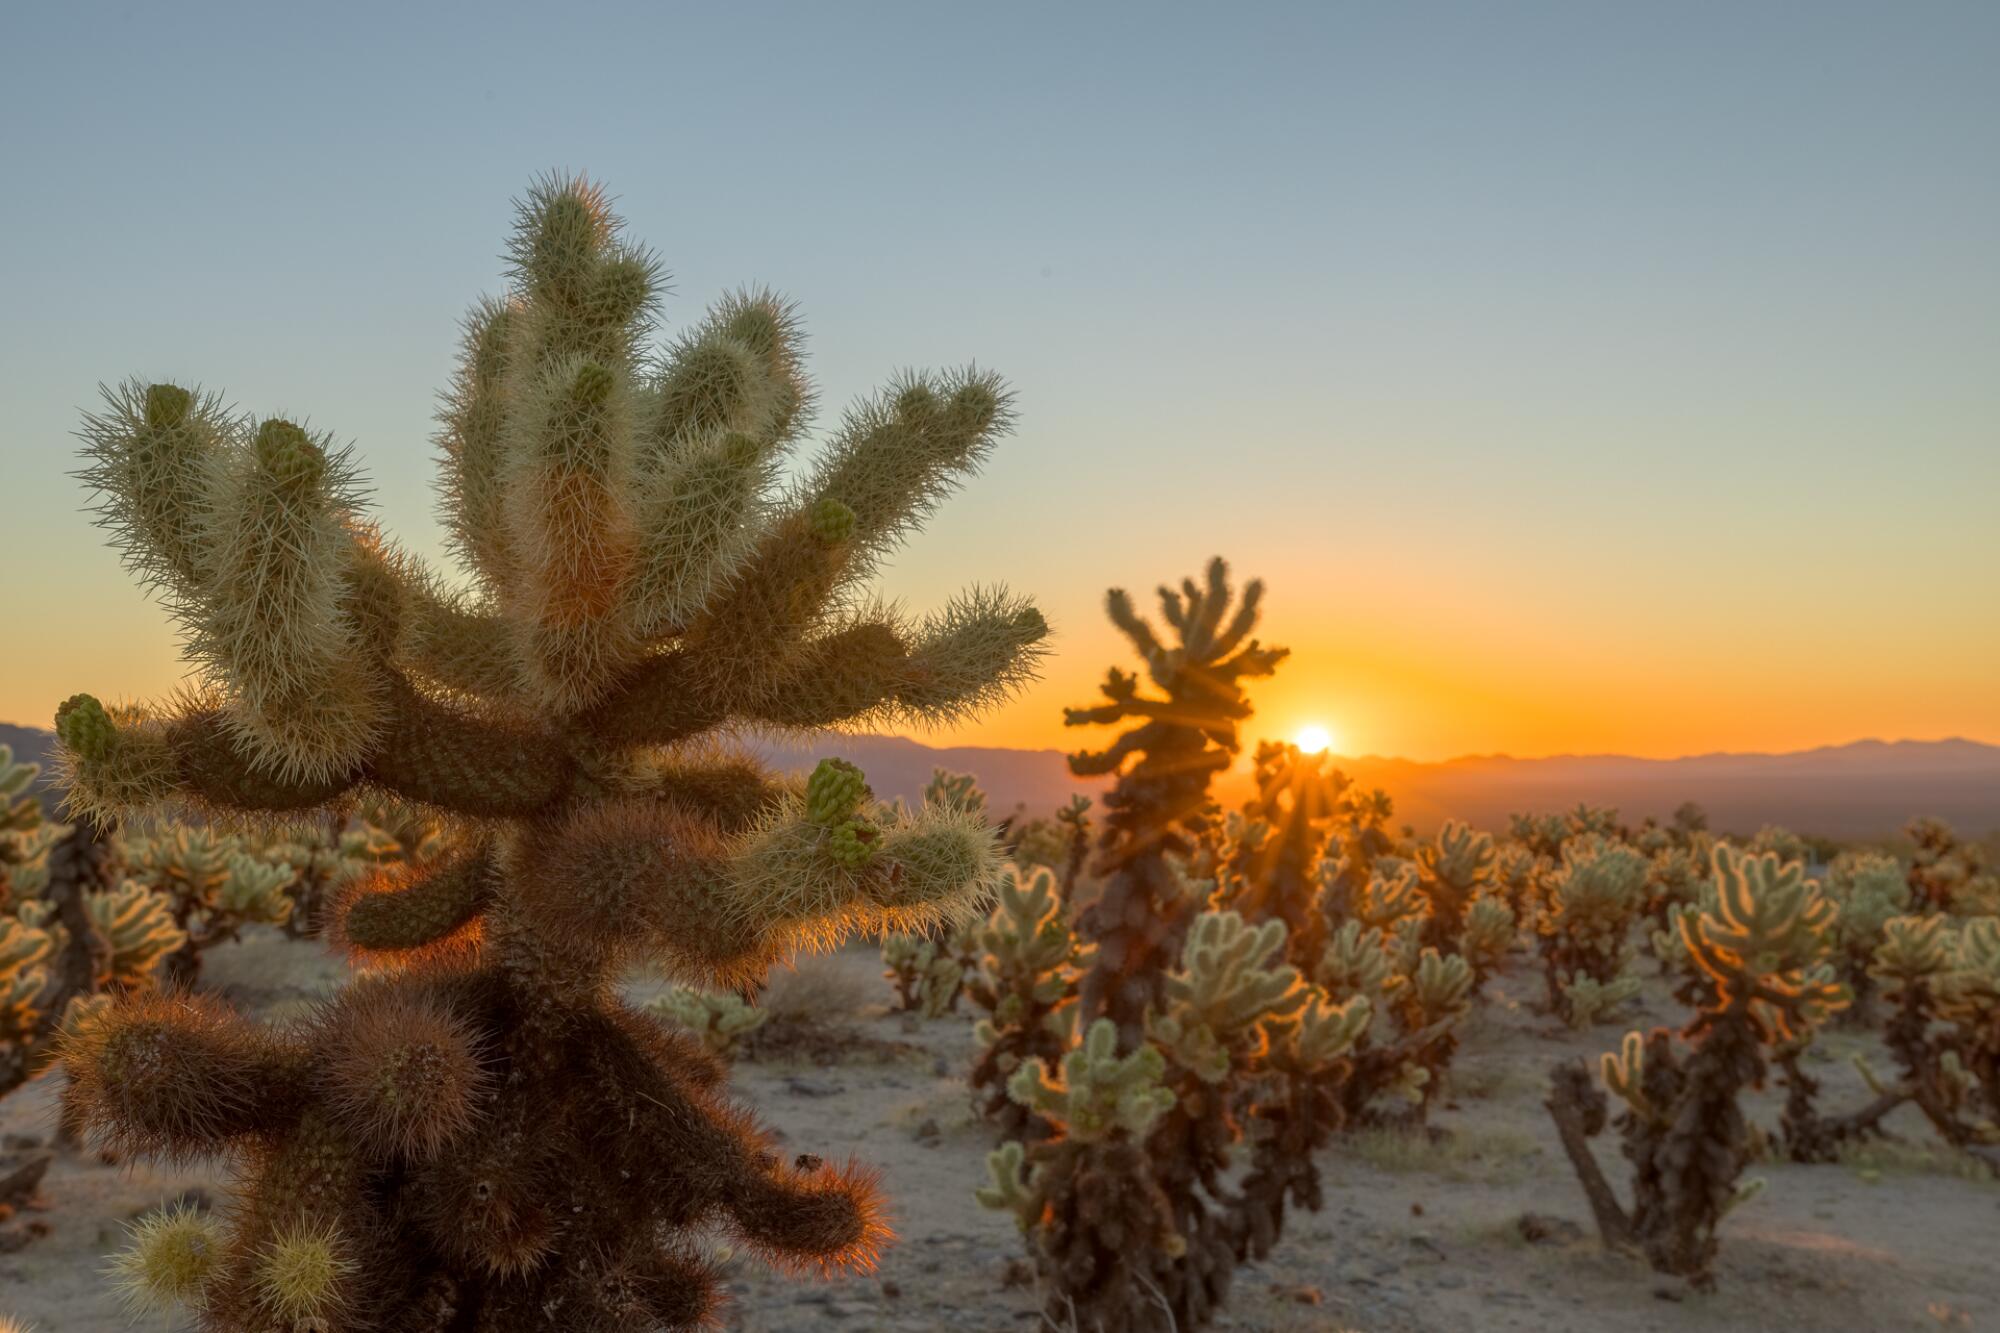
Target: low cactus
{"points": [[213, 886], [1453, 870], [1594, 899], [928, 974], [1764, 945], [721, 1021], [1025, 981]]}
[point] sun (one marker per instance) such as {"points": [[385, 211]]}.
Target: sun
{"points": [[1314, 739]]}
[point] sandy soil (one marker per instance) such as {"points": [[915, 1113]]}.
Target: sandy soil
{"points": [[1415, 1237]]}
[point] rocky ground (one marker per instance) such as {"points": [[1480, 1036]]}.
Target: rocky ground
{"points": [[1417, 1237]]}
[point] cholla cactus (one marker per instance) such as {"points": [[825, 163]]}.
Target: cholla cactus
{"points": [[1944, 986], [1947, 875], [1275, 864], [1489, 935], [479, 1134], [1025, 980], [720, 1020], [213, 886], [1453, 870], [1869, 891], [1764, 945], [1179, 741], [1118, 1203], [20, 816], [1585, 924], [927, 975], [1542, 835], [1518, 874], [959, 789]]}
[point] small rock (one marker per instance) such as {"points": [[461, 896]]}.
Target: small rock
{"points": [[1416, 1209], [20, 1142], [812, 1087], [890, 1289], [928, 1133], [1307, 1295], [1542, 1229]]}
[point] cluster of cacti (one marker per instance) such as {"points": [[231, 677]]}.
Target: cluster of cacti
{"points": [[1764, 945], [720, 1019], [1948, 875], [1122, 1201], [214, 887], [1270, 868], [1869, 889], [929, 973], [1058, 842], [1591, 903], [1204, 1050], [73, 928], [479, 1135]]}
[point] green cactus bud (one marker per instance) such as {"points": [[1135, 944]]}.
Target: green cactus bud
{"points": [[854, 843], [835, 790], [86, 728], [288, 455], [167, 405], [593, 384], [832, 522]]}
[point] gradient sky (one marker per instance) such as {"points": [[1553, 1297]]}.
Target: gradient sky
{"points": [[1579, 376]]}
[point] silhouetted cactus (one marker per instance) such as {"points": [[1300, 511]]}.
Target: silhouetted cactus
{"points": [[1764, 946], [1178, 741], [480, 1135]]}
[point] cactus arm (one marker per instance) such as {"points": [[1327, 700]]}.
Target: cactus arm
{"points": [[179, 1076], [399, 909]]}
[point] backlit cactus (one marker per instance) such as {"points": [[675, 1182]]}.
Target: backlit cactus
{"points": [[1764, 945], [480, 1135], [1175, 744], [1593, 901], [1025, 982]]}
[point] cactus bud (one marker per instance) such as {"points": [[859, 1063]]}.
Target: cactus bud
{"points": [[86, 728], [835, 790], [166, 406], [832, 522], [593, 384], [854, 843], [288, 454]]}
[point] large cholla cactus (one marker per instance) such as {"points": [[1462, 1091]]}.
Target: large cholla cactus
{"points": [[481, 1136], [1180, 742], [1764, 946]]}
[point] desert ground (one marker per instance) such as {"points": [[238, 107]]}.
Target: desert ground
{"points": [[1482, 1227]]}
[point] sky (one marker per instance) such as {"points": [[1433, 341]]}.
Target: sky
{"points": [[1578, 377]]}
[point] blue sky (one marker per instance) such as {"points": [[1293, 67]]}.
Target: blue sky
{"points": [[1582, 376]]}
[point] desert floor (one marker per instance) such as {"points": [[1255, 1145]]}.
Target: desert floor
{"points": [[1415, 1235]]}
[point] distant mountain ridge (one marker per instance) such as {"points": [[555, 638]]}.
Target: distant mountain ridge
{"points": [[1863, 789]]}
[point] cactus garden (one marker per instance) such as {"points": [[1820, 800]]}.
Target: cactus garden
{"points": [[787, 668]]}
